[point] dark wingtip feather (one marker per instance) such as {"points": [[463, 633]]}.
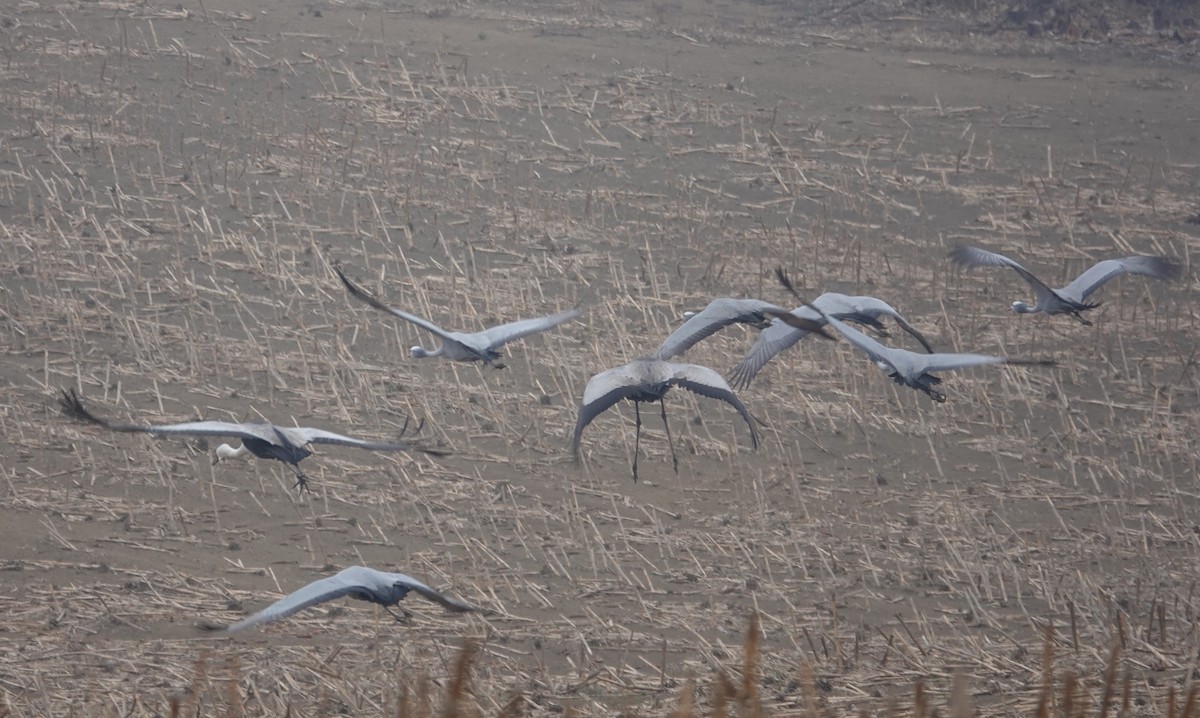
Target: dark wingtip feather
{"points": [[72, 406], [792, 320], [782, 276], [404, 431], [1168, 268], [358, 292], [808, 325], [345, 280]]}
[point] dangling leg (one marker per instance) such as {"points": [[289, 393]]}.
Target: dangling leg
{"points": [[637, 437], [926, 384], [1082, 321], [301, 479], [670, 443], [406, 618]]}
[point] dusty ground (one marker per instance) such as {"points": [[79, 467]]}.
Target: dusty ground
{"points": [[175, 183]]}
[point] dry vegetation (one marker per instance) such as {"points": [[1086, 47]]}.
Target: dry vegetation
{"points": [[175, 184]]}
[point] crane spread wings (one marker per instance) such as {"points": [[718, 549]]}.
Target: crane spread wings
{"points": [[496, 337]]}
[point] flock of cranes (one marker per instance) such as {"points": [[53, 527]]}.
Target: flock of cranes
{"points": [[643, 380]]}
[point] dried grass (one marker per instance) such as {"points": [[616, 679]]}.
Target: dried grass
{"points": [[174, 186], [1074, 700]]}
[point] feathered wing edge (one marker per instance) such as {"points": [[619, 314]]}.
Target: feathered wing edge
{"points": [[450, 604], [590, 410], [328, 589], [725, 395], [73, 407]]}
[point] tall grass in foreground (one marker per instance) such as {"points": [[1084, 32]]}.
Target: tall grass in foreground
{"points": [[1073, 699]]}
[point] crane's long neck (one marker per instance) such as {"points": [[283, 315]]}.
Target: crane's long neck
{"points": [[422, 352], [225, 451]]}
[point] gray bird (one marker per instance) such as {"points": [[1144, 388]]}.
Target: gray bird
{"points": [[720, 313], [260, 438], [780, 335], [365, 584], [478, 346], [648, 380], [904, 367], [1071, 298]]}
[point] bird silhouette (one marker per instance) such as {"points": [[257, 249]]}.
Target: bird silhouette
{"points": [[361, 582], [460, 346], [909, 368], [260, 438], [648, 380], [1070, 299]]}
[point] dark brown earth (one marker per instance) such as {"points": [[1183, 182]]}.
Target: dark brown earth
{"points": [[176, 183]]}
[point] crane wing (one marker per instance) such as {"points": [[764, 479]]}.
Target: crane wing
{"points": [[73, 406], [361, 294], [450, 604], [772, 340], [861, 310], [970, 257], [307, 435], [500, 335], [1102, 272], [878, 353], [319, 591], [903, 324], [950, 362], [707, 382], [601, 393], [719, 313]]}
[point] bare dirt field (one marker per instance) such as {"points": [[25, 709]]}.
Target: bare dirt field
{"points": [[177, 182]]}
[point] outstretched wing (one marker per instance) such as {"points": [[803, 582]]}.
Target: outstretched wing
{"points": [[321, 436], [719, 313], [876, 351], [319, 591], [73, 406], [812, 326], [1101, 272], [969, 257], [903, 324], [361, 294], [450, 604], [601, 393], [498, 336], [707, 382], [873, 349], [868, 306], [950, 362], [772, 340]]}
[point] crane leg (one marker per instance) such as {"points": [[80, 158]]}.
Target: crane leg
{"points": [[674, 459], [403, 617], [301, 480], [637, 437], [1082, 321]]}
